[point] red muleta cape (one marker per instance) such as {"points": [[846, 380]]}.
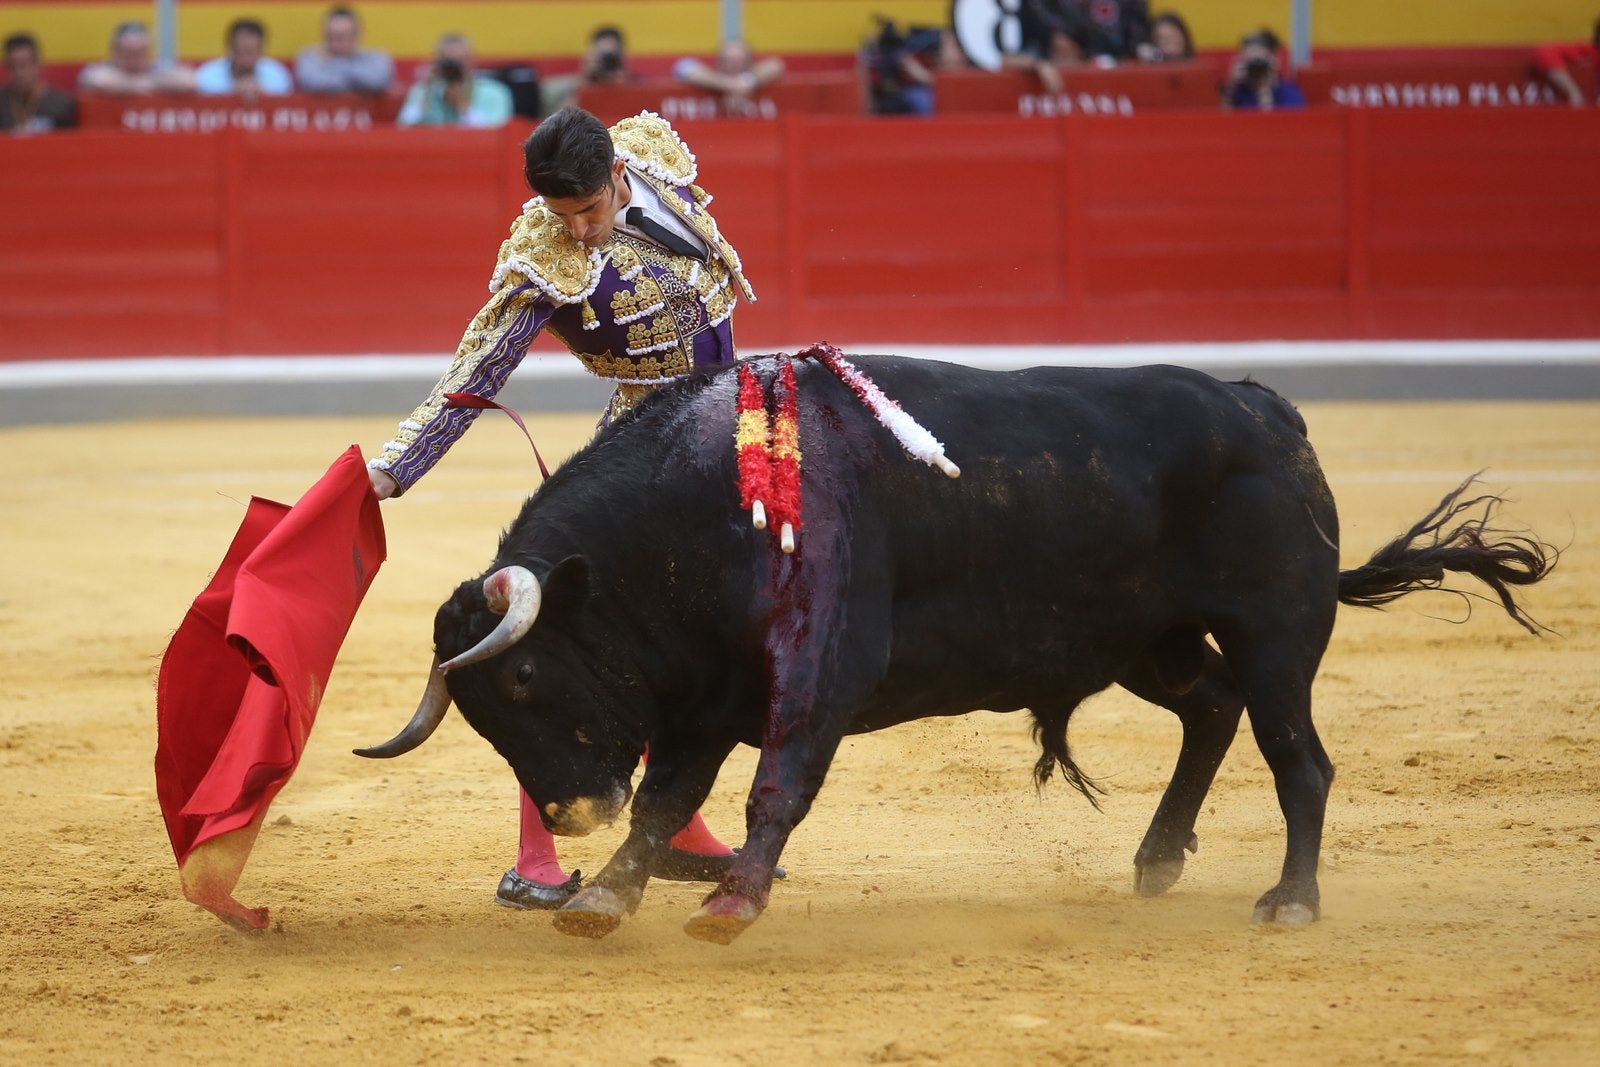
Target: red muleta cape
{"points": [[244, 673]]}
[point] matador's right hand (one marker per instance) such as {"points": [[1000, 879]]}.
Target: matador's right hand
{"points": [[383, 483]]}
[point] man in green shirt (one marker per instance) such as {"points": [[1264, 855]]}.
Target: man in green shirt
{"points": [[451, 93]]}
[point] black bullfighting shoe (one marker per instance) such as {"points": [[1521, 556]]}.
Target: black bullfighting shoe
{"points": [[676, 865], [518, 892]]}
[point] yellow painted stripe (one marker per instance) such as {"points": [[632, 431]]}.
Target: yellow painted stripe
{"points": [[77, 32], [1341, 23], [1394, 23]]}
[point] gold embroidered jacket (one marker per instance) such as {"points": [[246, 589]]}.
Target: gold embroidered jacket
{"points": [[633, 313]]}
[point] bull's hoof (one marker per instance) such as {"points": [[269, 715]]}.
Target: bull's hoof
{"points": [[1288, 905], [593, 913], [1153, 879], [1290, 914], [723, 918]]}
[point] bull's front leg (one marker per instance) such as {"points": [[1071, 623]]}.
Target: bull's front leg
{"points": [[788, 776], [808, 705], [675, 784]]}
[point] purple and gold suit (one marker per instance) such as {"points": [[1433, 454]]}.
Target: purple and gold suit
{"points": [[633, 313]]}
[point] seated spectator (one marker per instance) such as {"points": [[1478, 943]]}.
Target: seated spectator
{"points": [[1048, 53], [897, 70], [245, 71], [1108, 30], [451, 93], [1170, 40], [734, 74], [1558, 61], [339, 64], [1255, 81], [604, 63], [131, 69], [29, 104]]}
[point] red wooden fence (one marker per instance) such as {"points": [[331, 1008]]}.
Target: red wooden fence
{"points": [[1354, 223]]}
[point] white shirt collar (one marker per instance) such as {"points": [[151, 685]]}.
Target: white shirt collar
{"points": [[641, 195]]}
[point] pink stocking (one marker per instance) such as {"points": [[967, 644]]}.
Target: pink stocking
{"points": [[698, 838], [536, 851]]}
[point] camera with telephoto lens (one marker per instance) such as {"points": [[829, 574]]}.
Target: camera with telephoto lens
{"points": [[451, 71], [609, 62]]}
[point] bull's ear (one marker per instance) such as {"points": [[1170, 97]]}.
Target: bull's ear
{"points": [[566, 586]]}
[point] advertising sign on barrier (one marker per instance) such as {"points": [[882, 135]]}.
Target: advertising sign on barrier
{"points": [[173, 113]]}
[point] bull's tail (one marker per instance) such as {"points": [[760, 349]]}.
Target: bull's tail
{"points": [[1050, 730], [1419, 558]]}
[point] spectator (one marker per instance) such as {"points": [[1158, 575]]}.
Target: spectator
{"points": [[1557, 62], [29, 104], [1170, 40], [1047, 52], [245, 71], [604, 63], [897, 70], [1255, 81], [734, 74], [339, 64], [130, 68], [1107, 30], [451, 93]]}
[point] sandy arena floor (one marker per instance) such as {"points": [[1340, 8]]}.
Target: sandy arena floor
{"points": [[938, 911]]}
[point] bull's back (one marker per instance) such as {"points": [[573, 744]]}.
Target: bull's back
{"points": [[1076, 461], [1094, 508]]}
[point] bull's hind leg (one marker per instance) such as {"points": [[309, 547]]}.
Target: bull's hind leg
{"points": [[1274, 671], [1209, 708]]}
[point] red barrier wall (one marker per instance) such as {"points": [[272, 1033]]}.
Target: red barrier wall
{"points": [[1194, 226]]}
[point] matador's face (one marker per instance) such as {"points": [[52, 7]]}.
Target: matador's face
{"points": [[591, 218]]}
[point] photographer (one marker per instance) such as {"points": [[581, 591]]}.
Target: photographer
{"points": [[897, 70], [1254, 80], [605, 62], [451, 93]]}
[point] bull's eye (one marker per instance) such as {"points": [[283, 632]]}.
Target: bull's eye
{"points": [[525, 674]]}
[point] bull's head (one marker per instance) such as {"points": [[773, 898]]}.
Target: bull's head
{"points": [[533, 692]]}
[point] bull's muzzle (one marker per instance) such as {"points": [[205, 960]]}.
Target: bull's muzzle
{"points": [[577, 818]]}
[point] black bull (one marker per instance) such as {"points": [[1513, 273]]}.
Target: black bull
{"points": [[1106, 523]]}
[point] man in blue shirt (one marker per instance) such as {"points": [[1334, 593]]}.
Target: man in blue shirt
{"points": [[1255, 82], [244, 71]]}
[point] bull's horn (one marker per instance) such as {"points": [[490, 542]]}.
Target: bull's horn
{"points": [[435, 702], [514, 593]]}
